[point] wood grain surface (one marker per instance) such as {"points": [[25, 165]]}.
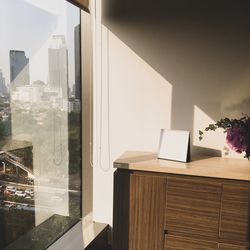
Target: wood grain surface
{"points": [[181, 243], [139, 207], [156, 211], [147, 209], [233, 247], [193, 206], [215, 167], [235, 212]]}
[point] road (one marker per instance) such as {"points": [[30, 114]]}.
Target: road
{"points": [[45, 189]]}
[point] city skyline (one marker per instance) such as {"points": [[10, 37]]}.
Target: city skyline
{"points": [[21, 33], [19, 69], [77, 38], [40, 121], [3, 87], [58, 65]]}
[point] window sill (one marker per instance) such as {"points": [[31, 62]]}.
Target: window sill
{"points": [[44, 235], [61, 232], [91, 230], [86, 234]]}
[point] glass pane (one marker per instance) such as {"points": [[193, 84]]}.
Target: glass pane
{"points": [[40, 119]]}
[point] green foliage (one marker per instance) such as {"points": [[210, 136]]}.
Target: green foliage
{"points": [[5, 128], [74, 142], [229, 125]]}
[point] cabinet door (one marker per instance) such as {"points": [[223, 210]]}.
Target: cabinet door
{"points": [[121, 211], [235, 212], [193, 206], [139, 212], [232, 247], [181, 243]]}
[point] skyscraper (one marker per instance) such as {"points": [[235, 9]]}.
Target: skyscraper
{"points": [[19, 69], [77, 62], [3, 88], [58, 65]]}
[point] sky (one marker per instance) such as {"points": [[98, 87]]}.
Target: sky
{"points": [[29, 25]]}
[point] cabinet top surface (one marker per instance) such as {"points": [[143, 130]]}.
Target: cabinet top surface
{"points": [[216, 167]]}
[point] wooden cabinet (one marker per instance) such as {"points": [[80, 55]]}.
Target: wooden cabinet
{"points": [[233, 247], [121, 211], [181, 243], [156, 211], [147, 193], [193, 206], [139, 210], [235, 212]]}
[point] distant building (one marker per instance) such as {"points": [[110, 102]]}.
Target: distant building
{"points": [[58, 66], [77, 38], [72, 90], [74, 105], [3, 88], [30, 94], [38, 83], [19, 69]]}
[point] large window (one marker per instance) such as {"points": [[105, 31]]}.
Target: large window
{"points": [[40, 121]]}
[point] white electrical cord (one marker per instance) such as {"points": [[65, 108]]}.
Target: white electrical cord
{"points": [[100, 106]]}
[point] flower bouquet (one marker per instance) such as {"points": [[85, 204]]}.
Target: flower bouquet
{"points": [[238, 133]]}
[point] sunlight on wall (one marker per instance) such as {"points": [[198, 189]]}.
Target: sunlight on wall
{"points": [[142, 96], [212, 139], [198, 60], [133, 103]]}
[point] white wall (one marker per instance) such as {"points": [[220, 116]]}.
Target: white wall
{"points": [[182, 71], [133, 102]]}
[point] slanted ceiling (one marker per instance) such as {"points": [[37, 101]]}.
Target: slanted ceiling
{"points": [[83, 4]]}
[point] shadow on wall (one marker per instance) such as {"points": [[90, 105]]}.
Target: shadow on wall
{"points": [[243, 106], [202, 49]]}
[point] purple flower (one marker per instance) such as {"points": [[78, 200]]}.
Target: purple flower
{"points": [[238, 133], [236, 139]]}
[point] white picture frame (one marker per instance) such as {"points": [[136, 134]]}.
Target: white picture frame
{"points": [[174, 145]]}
